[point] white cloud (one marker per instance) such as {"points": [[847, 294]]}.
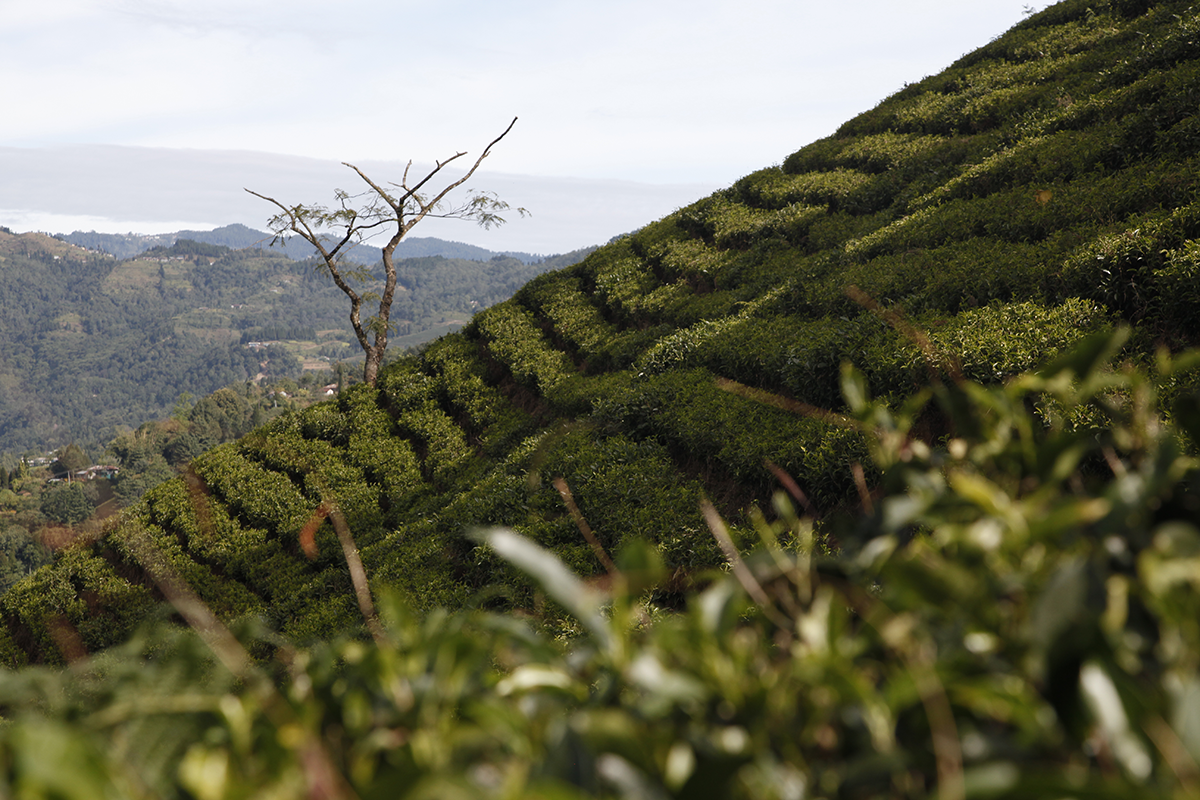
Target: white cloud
{"points": [[21, 220]]}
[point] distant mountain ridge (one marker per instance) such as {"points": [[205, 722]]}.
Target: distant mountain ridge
{"points": [[237, 237]]}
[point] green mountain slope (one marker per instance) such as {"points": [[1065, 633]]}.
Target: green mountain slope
{"points": [[975, 223], [89, 343]]}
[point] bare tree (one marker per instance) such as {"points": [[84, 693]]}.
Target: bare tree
{"points": [[392, 208]]}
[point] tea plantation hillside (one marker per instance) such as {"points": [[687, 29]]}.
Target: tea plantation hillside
{"points": [[974, 224]]}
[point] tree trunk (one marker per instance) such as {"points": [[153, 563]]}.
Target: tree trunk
{"points": [[371, 366]]}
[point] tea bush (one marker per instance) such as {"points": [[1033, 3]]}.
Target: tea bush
{"points": [[995, 343], [262, 498], [225, 596], [576, 321], [80, 604], [515, 341], [481, 409], [888, 151], [689, 260], [208, 532], [717, 432], [442, 440], [390, 463], [618, 283]]}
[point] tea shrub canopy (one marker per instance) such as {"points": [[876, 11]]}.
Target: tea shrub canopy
{"points": [[1022, 623]]}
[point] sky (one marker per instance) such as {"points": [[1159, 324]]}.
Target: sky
{"points": [[152, 115]]}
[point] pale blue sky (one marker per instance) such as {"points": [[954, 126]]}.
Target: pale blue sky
{"points": [[684, 96]]}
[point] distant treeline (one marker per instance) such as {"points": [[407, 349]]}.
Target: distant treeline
{"points": [[187, 247], [274, 333], [237, 237]]}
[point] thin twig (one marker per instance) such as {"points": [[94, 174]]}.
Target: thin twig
{"points": [[790, 484], [1175, 753], [358, 575], [860, 483], [933, 357], [1114, 463], [740, 570], [785, 403], [322, 777], [67, 638], [584, 528], [193, 610]]}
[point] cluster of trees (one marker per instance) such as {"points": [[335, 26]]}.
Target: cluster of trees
{"points": [[70, 502], [157, 450], [49, 506], [7, 478], [29, 505], [90, 344], [273, 333], [160, 449], [20, 552], [187, 248]]}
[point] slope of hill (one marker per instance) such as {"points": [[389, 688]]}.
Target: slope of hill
{"points": [[976, 223]]}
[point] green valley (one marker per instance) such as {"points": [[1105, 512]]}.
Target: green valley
{"points": [[90, 343]]}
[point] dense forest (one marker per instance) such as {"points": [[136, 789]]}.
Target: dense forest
{"points": [[90, 343], [873, 475]]}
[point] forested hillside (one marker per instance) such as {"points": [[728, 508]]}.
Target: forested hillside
{"points": [[90, 343], [1003, 579]]}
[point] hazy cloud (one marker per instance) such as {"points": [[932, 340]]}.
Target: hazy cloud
{"points": [[148, 190]]}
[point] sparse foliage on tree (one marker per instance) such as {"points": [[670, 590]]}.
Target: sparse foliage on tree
{"points": [[68, 503], [393, 208]]}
